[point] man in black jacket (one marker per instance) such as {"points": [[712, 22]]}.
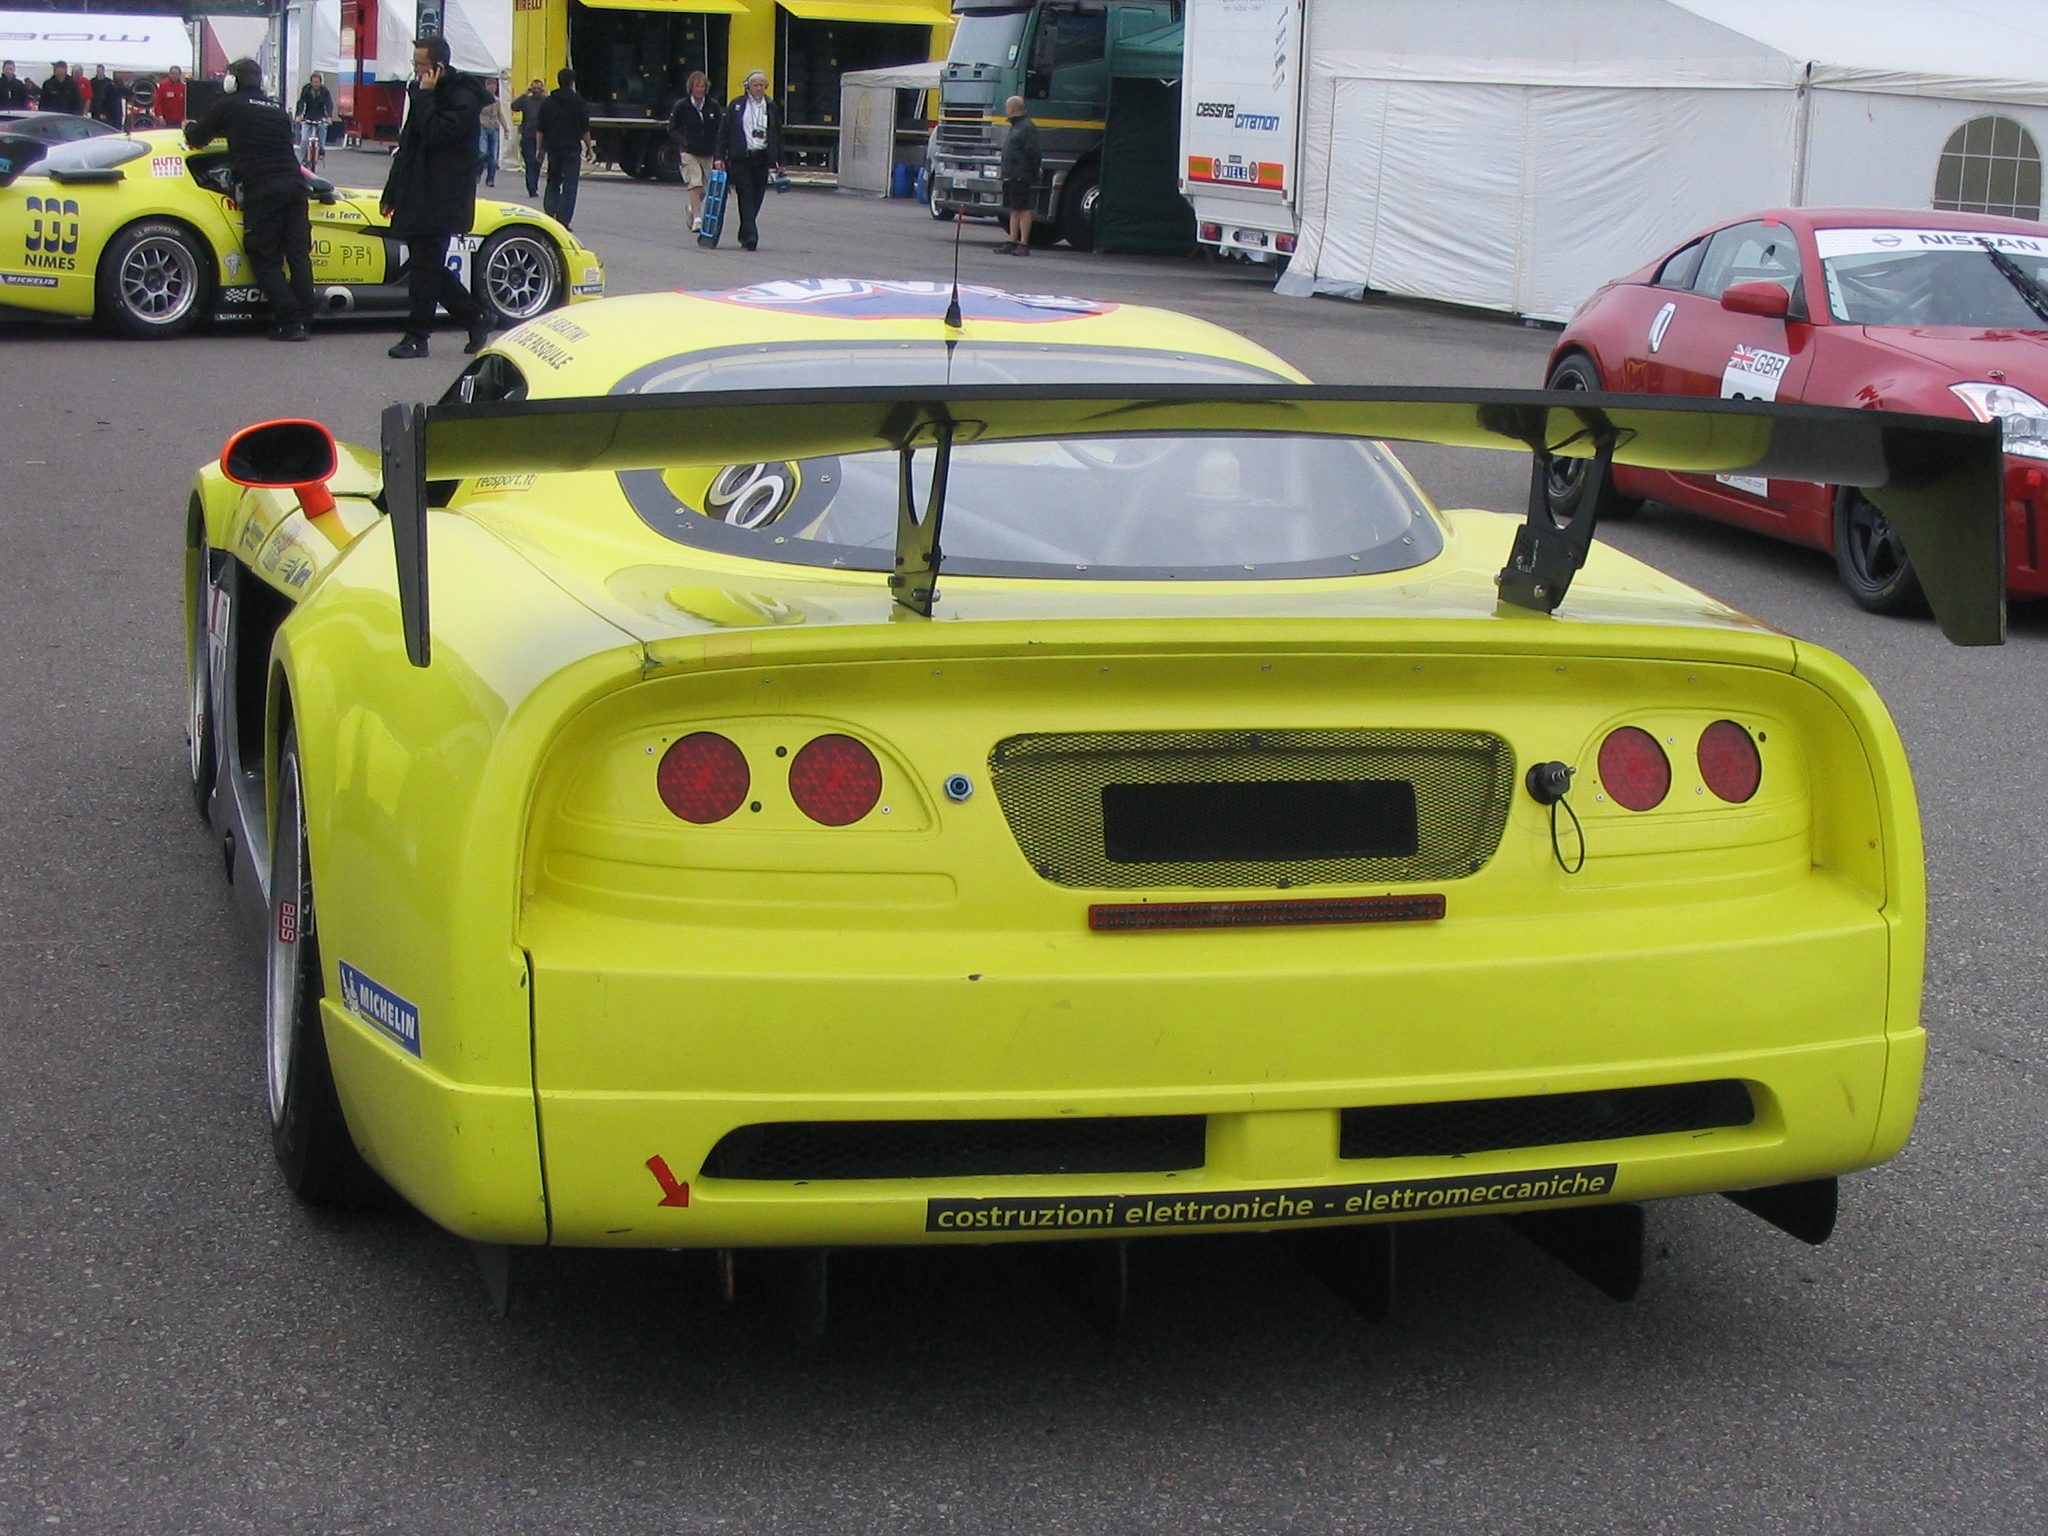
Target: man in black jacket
{"points": [[749, 152], [564, 125], [430, 197], [109, 98], [60, 92], [13, 89], [694, 125], [271, 190]]}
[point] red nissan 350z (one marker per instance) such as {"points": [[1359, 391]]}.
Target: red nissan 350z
{"points": [[1886, 308]]}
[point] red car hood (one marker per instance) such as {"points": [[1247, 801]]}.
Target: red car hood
{"points": [[1971, 351]]}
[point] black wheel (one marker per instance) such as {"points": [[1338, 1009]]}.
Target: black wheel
{"points": [[154, 280], [519, 275], [1566, 486], [308, 1131], [208, 617], [1077, 208], [1871, 559], [940, 211]]}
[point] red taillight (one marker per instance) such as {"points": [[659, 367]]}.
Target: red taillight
{"points": [[1212, 232], [1284, 244], [1729, 764], [835, 780], [1633, 769], [702, 777]]}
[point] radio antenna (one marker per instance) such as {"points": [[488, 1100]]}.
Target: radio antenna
{"points": [[953, 308]]}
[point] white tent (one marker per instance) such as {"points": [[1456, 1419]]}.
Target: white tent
{"points": [[867, 121], [35, 39], [479, 34], [1514, 156]]}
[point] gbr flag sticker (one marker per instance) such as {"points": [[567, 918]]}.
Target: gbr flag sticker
{"points": [[1752, 374]]}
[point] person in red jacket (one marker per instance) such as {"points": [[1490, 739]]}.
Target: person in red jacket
{"points": [[167, 106]]}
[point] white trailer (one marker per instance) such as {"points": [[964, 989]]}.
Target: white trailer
{"points": [[1240, 127]]}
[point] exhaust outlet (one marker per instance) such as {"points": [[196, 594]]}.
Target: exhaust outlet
{"points": [[339, 300]]}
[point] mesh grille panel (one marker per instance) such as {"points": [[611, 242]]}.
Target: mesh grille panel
{"points": [[1546, 1120], [958, 1149], [1051, 790]]}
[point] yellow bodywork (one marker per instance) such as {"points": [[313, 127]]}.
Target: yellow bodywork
{"points": [[52, 235], [604, 991]]}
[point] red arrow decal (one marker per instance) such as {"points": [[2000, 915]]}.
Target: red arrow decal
{"points": [[672, 1192]]}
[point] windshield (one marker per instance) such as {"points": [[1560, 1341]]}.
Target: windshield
{"points": [[987, 38], [1930, 277], [1141, 506]]}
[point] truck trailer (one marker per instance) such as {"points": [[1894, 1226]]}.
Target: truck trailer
{"points": [[1241, 124]]}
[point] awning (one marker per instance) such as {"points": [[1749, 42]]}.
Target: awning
{"points": [[1153, 55], [708, 7], [119, 42], [901, 13]]}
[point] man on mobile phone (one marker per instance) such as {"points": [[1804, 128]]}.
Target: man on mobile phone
{"points": [[430, 197]]}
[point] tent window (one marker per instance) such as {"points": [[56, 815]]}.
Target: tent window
{"points": [[1680, 269], [1990, 165], [1749, 253]]}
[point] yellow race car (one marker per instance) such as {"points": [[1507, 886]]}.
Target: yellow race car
{"points": [[845, 762], [144, 233]]}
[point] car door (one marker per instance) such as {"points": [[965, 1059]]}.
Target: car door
{"points": [[1703, 349], [345, 249]]}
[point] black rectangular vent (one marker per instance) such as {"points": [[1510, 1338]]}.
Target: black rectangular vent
{"points": [[1258, 820], [1542, 1120], [958, 1149]]}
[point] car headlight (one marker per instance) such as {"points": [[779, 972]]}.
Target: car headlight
{"points": [[2024, 418]]}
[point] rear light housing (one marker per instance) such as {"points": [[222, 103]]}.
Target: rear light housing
{"points": [[702, 778], [835, 780], [1633, 769], [1212, 233], [1730, 765], [1284, 244]]}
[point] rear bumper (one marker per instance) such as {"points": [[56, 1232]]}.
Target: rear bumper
{"points": [[1792, 998]]}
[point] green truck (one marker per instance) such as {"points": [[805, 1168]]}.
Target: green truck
{"points": [[1056, 55]]}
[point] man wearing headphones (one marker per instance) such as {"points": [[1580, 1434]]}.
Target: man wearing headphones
{"points": [[271, 190]]}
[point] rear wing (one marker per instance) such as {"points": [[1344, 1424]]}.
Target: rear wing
{"points": [[1938, 479]]}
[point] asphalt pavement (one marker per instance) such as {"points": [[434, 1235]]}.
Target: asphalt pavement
{"points": [[182, 1348]]}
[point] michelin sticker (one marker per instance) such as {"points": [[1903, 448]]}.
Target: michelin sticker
{"points": [[1752, 374], [381, 1008]]}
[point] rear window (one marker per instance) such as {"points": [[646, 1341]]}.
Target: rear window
{"points": [[1143, 506]]}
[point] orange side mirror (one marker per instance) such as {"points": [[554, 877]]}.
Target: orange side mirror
{"points": [[285, 455]]}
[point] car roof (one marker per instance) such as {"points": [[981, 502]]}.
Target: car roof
{"points": [[1889, 218], [589, 348]]}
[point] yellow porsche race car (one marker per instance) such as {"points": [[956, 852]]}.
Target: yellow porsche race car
{"points": [[144, 233], [844, 762]]}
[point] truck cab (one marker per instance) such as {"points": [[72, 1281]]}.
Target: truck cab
{"points": [[1055, 54]]}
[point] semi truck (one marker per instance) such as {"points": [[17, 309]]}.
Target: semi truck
{"points": [[1054, 54], [1240, 129], [633, 62]]}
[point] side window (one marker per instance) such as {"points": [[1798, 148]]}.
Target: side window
{"points": [[1749, 253], [1068, 35], [1679, 269]]}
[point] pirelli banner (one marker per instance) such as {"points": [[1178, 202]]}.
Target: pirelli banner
{"points": [[1267, 1207]]}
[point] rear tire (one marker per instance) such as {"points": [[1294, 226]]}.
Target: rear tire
{"points": [[155, 281], [1871, 559], [1566, 488], [308, 1130], [1077, 207], [518, 275]]}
